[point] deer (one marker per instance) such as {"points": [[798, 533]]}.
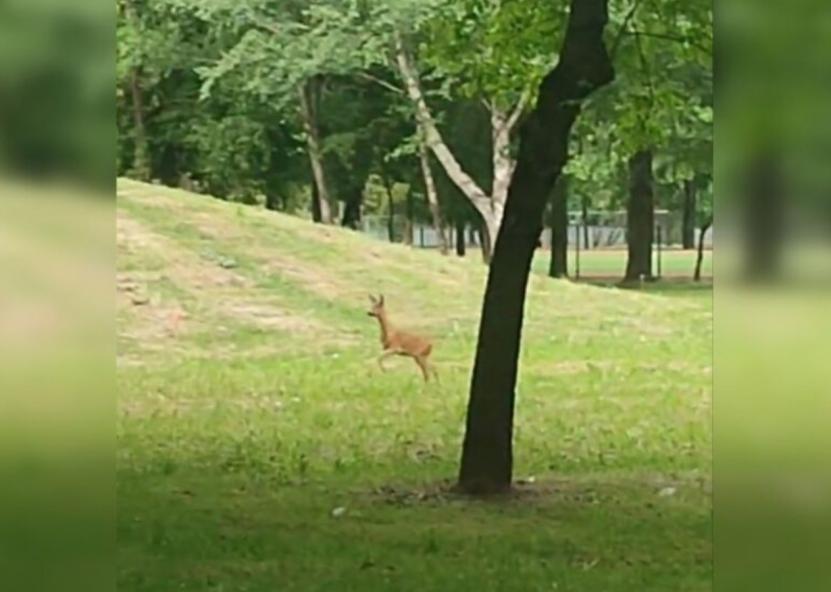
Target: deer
{"points": [[401, 343]]}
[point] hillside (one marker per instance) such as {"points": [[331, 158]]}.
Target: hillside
{"points": [[251, 406]]}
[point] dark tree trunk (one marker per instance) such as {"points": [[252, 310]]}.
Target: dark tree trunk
{"points": [[472, 236], [700, 258], [558, 266], [688, 218], [352, 212], [272, 201], [391, 218], [315, 206], [584, 65], [485, 243], [763, 219], [640, 217], [460, 239], [408, 231]]}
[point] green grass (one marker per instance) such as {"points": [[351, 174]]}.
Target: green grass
{"points": [[610, 264], [250, 408]]}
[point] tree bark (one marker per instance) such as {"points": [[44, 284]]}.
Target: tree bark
{"points": [[640, 217], [460, 239], [558, 266], [700, 258], [688, 215], [308, 110], [584, 65], [432, 197]]}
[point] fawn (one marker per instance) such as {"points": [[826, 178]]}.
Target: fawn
{"points": [[399, 343]]}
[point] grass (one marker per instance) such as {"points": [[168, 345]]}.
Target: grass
{"points": [[610, 264], [260, 447]]}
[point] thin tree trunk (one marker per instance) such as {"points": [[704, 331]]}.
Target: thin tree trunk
{"points": [[558, 266], [432, 197], [584, 205], [460, 239], [472, 236], [700, 258], [688, 215], [640, 217], [408, 231], [584, 65], [315, 205], [308, 110], [141, 150], [390, 209]]}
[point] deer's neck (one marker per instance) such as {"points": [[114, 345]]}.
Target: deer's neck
{"points": [[386, 329]]}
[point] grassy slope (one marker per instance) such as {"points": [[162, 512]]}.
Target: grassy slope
{"points": [[251, 407]]}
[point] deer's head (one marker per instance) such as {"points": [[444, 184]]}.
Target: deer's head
{"points": [[377, 305]]}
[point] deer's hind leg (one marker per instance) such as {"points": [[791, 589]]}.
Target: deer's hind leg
{"points": [[423, 364]]}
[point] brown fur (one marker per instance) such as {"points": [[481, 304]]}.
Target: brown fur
{"points": [[401, 343]]}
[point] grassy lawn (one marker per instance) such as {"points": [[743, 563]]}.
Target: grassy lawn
{"points": [[676, 264], [260, 448]]}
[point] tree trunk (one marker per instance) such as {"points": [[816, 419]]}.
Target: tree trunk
{"points": [[432, 197], [141, 151], [688, 216], [485, 242], [308, 110], [390, 213], [558, 266], [640, 217], [272, 201], [408, 230], [763, 219], [584, 65], [315, 205], [460, 239], [472, 236], [352, 212], [584, 205], [700, 258]]}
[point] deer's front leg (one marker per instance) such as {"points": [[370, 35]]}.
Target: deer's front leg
{"points": [[384, 355]]}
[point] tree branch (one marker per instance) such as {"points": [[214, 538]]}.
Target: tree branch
{"points": [[519, 108], [669, 37], [619, 37], [381, 82]]}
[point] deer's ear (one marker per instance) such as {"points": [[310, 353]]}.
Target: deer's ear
{"points": [[381, 299]]}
